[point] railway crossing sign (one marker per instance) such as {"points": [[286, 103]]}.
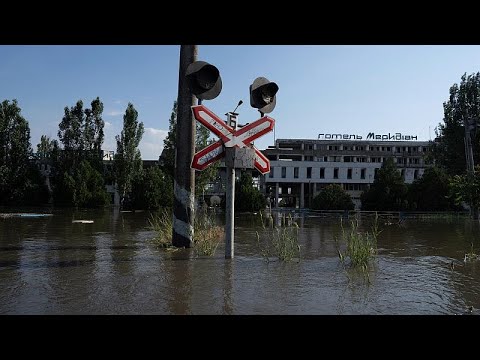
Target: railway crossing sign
{"points": [[230, 137]]}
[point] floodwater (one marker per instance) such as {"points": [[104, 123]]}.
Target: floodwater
{"points": [[53, 265]]}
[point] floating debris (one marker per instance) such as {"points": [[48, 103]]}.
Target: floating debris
{"points": [[82, 221], [10, 215]]}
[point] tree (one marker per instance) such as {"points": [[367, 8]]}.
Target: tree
{"points": [[247, 197], [15, 153], [152, 190], [168, 154], [388, 190], [71, 135], [128, 160], [93, 132], [333, 197], [46, 147], [448, 149], [431, 191], [466, 189]]}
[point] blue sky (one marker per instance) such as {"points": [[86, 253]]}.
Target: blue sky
{"points": [[323, 89]]}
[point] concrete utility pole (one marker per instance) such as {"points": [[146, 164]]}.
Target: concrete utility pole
{"points": [[184, 176]]}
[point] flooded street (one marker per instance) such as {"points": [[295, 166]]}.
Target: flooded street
{"points": [[52, 265]]}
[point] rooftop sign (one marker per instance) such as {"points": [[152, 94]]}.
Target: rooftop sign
{"points": [[370, 136]]}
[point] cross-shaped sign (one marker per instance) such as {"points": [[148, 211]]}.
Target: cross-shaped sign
{"points": [[229, 137]]}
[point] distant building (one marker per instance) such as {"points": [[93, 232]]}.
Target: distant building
{"points": [[301, 168]]}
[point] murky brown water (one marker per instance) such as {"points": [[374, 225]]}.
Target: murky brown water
{"points": [[50, 265]]}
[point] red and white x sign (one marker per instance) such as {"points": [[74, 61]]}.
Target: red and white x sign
{"points": [[230, 137]]}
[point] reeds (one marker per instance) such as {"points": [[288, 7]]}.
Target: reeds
{"points": [[279, 241], [206, 234], [361, 247]]}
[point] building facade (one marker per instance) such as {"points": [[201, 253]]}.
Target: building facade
{"points": [[301, 168]]}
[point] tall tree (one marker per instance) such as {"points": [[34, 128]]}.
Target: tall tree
{"points": [[388, 191], [128, 160], [15, 152], [448, 149], [71, 135], [93, 131]]}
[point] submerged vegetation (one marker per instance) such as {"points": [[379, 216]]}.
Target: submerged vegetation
{"points": [[471, 255], [361, 247], [162, 223], [279, 240], [207, 234], [206, 237]]}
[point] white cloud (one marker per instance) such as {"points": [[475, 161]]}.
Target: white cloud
{"points": [[151, 145], [107, 124], [118, 102]]}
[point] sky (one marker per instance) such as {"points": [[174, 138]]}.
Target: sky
{"points": [[342, 89]]}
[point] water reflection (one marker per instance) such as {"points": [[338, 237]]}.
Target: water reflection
{"points": [[50, 265]]}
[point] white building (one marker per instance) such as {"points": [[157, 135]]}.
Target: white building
{"points": [[301, 168]]}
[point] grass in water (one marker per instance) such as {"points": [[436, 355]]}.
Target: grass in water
{"points": [[361, 247], [280, 241], [162, 224], [206, 235], [471, 256]]}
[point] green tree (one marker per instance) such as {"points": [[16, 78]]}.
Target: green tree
{"points": [[93, 133], [248, 197], [15, 153], [448, 149], [168, 154], [333, 197], [46, 147], [202, 134], [71, 135], [128, 160], [431, 191], [466, 189], [388, 191], [152, 190]]}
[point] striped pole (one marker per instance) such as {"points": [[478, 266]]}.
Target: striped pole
{"points": [[184, 176]]}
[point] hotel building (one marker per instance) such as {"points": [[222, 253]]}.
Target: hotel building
{"points": [[301, 168]]}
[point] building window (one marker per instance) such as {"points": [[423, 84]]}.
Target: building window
{"points": [[376, 171], [284, 172], [335, 173], [349, 173], [403, 174], [362, 173], [309, 172], [347, 159], [415, 174], [270, 175], [322, 173], [295, 172]]}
